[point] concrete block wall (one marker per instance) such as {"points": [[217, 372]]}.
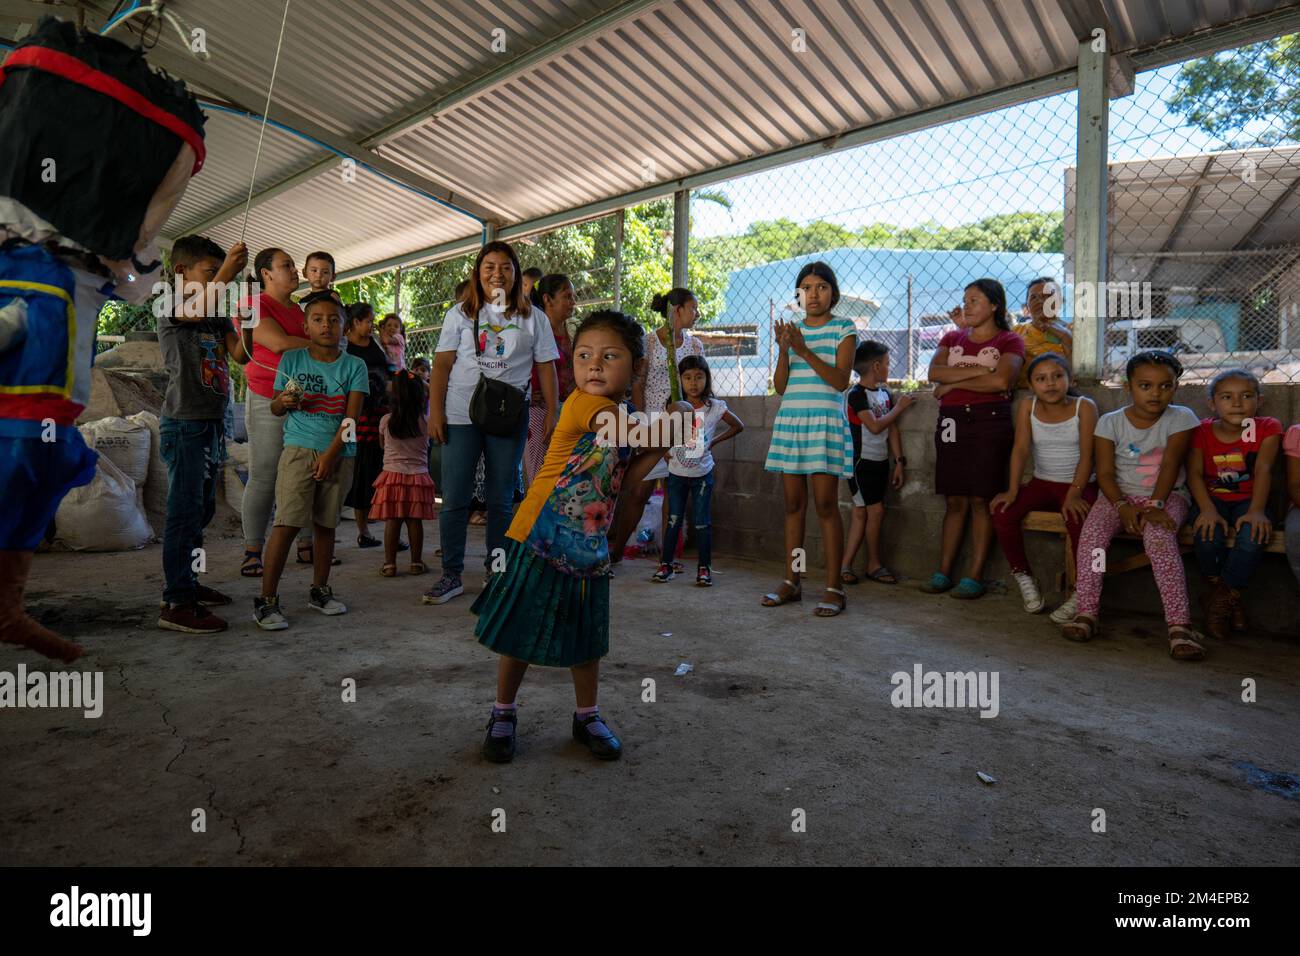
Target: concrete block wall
{"points": [[748, 510]]}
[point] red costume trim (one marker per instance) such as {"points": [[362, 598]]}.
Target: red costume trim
{"points": [[75, 71]]}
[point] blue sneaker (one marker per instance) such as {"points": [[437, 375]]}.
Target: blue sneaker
{"points": [[967, 589]]}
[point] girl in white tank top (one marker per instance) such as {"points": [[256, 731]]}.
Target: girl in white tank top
{"points": [[1063, 479], [1056, 445]]}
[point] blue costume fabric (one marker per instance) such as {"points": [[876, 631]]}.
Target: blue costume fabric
{"points": [[44, 384]]}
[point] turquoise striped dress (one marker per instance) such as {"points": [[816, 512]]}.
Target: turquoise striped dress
{"points": [[810, 434]]}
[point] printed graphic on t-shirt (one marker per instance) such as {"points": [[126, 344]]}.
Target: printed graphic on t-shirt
{"points": [[1148, 466], [212, 366], [493, 346], [316, 399], [986, 357], [1232, 470]]}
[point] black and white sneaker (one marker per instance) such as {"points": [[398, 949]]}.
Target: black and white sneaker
{"points": [[267, 613], [322, 599]]}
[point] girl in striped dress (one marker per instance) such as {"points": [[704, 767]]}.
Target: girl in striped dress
{"points": [[811, 435]]}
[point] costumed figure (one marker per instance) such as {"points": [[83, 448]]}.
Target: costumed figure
{"points": [[98, 150]]}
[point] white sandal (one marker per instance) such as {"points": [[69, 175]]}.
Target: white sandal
{"points": [[832, 610], [772, 599]]}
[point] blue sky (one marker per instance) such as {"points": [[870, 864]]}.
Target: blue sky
{"points": [[1009, 161]]}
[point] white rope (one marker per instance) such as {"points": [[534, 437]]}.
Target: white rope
{"points": [[252, 180]]}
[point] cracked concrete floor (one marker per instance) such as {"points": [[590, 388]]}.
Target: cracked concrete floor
{"points": [[781, 712]]}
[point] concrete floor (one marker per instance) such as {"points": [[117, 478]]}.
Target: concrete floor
{"points": [[782, 711]]}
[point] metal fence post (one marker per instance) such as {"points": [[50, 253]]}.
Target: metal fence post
{"points": [[681, 235], [618, 259], [1090, 235]]}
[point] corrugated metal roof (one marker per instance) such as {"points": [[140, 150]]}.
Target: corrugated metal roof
{"points": [[604, 98]]}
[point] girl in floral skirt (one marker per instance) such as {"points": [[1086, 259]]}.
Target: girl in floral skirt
{"points": [[550, 605]]}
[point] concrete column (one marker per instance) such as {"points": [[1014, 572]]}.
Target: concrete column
{"points": [[681, 235], [1090, 235]]}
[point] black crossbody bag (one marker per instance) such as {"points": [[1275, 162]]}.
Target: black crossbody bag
{"points": [[496, 407]]}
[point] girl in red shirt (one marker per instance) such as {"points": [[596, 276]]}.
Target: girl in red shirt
{"points": [[1229, 472], [974, 369]]}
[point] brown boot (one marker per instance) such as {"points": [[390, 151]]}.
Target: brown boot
{"points": [[1239, 623], [1218, 611], [15, 626]]}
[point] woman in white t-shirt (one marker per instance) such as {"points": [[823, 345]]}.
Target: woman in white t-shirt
{"points": [[514, 337], [650, 394]]}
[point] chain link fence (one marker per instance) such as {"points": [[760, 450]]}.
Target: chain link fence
{"points": [[1204, 223], [1203, 255]]}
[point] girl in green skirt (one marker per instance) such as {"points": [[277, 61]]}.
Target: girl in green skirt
{"points": [[550, 605]]}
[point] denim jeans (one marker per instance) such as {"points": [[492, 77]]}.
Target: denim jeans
{"points": [[1233, 566], [192, 452], [700, 491], [501, 460]]}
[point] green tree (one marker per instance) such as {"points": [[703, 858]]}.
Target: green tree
{"points": [[1243, 97]]}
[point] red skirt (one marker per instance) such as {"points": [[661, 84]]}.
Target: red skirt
{"points": [[400, 496]]}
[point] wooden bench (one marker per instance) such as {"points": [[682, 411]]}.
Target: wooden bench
{"points": [[1053, 523]]}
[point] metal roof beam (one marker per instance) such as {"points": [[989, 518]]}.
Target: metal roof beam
{"points": [[1084, 16], [477, 87], [539, 55]]}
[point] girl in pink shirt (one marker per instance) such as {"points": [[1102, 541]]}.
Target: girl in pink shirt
{"points": [[404, 490]]}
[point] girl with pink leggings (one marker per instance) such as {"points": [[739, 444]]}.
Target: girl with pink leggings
{"points": [[1140, 450]]}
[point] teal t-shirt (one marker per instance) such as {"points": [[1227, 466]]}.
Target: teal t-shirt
{"points": [[325, 387]]}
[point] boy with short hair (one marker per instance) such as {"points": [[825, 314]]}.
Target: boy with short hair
{"points": [[321, 390], [531, 276], [191, 433], [873, 421], [1044, 332], [319, 271]]}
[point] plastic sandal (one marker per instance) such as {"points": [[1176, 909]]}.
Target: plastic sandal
{"points": [[417, 567], [848, 577], [306, 549], [967, 589], [1081, 629], [938, 583], [882, 575], [1184, 644], [252, 566], [773, 599], [832, 610], [388, 570]]}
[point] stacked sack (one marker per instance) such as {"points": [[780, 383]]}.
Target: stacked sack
{"points": [[113, 512]]}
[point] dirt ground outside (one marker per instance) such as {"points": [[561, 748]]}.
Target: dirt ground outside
{"points": [[782, 712]]}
